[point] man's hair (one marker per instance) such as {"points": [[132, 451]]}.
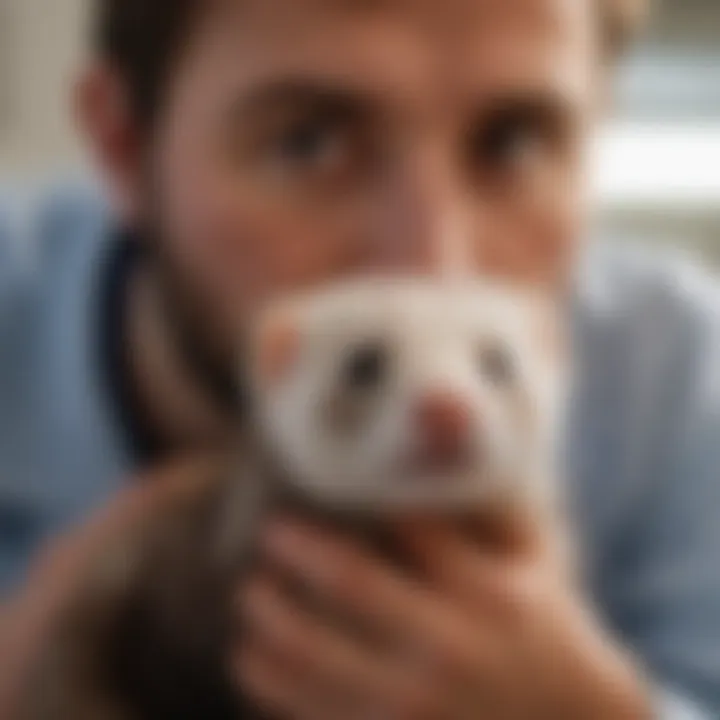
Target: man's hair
{"points": [[142, 39]]}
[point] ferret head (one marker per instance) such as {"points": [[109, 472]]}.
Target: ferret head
{"points": [[392, 393]]}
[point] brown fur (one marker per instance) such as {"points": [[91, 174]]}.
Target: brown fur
{"points": [[148, 633], [148, 636]]}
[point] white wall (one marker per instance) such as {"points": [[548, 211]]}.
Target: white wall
{"points": [[41, 45]]}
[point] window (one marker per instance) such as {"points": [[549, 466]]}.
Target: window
{"points": [[657, 169]]}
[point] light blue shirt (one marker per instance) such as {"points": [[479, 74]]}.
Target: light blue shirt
{"points": [[643, 441]]}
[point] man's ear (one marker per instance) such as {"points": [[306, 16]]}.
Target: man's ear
{"points": [[104, 112]]}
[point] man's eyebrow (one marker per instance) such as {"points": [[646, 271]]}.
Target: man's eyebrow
{"points": [[301, 92], [543, 105]]}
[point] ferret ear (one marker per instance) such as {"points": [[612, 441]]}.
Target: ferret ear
{"points": [[277, 345]]}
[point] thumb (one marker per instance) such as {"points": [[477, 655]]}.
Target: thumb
{"points": [[67, 558], [511, 528]]}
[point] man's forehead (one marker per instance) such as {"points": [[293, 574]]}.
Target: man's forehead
{"points": [[536, 11], [397, 41]]}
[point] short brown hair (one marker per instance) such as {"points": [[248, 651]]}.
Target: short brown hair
{"points": [[143, 37]]}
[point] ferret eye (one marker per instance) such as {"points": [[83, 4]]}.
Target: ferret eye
{"points": [[498, 365], [366, 367]]}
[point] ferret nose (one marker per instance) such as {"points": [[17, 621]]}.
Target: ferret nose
{"points": [[443, 425]]}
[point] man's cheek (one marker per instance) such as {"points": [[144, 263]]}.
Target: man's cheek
{"points": [[550, 239], [243, 253], [276, 247], [534, 242]]}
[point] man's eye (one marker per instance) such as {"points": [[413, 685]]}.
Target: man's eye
{"points": [[510, 144], [311, 142], [316, 148]]}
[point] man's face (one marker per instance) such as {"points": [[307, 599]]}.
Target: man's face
{"points": [[303, 140]]}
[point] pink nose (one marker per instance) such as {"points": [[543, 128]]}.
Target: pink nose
{"points": [[443, 426]]}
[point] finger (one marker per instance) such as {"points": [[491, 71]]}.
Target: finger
{"points": [[390, 605], [54, 576], [277, 691], [507, 528], [340, 663], [284, 690], [480, 581], [512, 528], [529, 535], [179, 481], [147, 495]]}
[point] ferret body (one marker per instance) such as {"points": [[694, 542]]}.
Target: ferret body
{"points": [[368, 399]]}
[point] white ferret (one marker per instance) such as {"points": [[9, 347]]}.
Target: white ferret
{"points": [[401, 393], [366, 399]]}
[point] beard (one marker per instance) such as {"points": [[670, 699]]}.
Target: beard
{"points": [[207, 353]]}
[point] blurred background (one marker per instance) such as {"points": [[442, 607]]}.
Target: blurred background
{"points": [[658, 168]]}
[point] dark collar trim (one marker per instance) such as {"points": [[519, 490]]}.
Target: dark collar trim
{"points": [[122, 259]]}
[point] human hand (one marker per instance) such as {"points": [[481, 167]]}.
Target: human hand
{"points": [[494, 631], [28, 620]]}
